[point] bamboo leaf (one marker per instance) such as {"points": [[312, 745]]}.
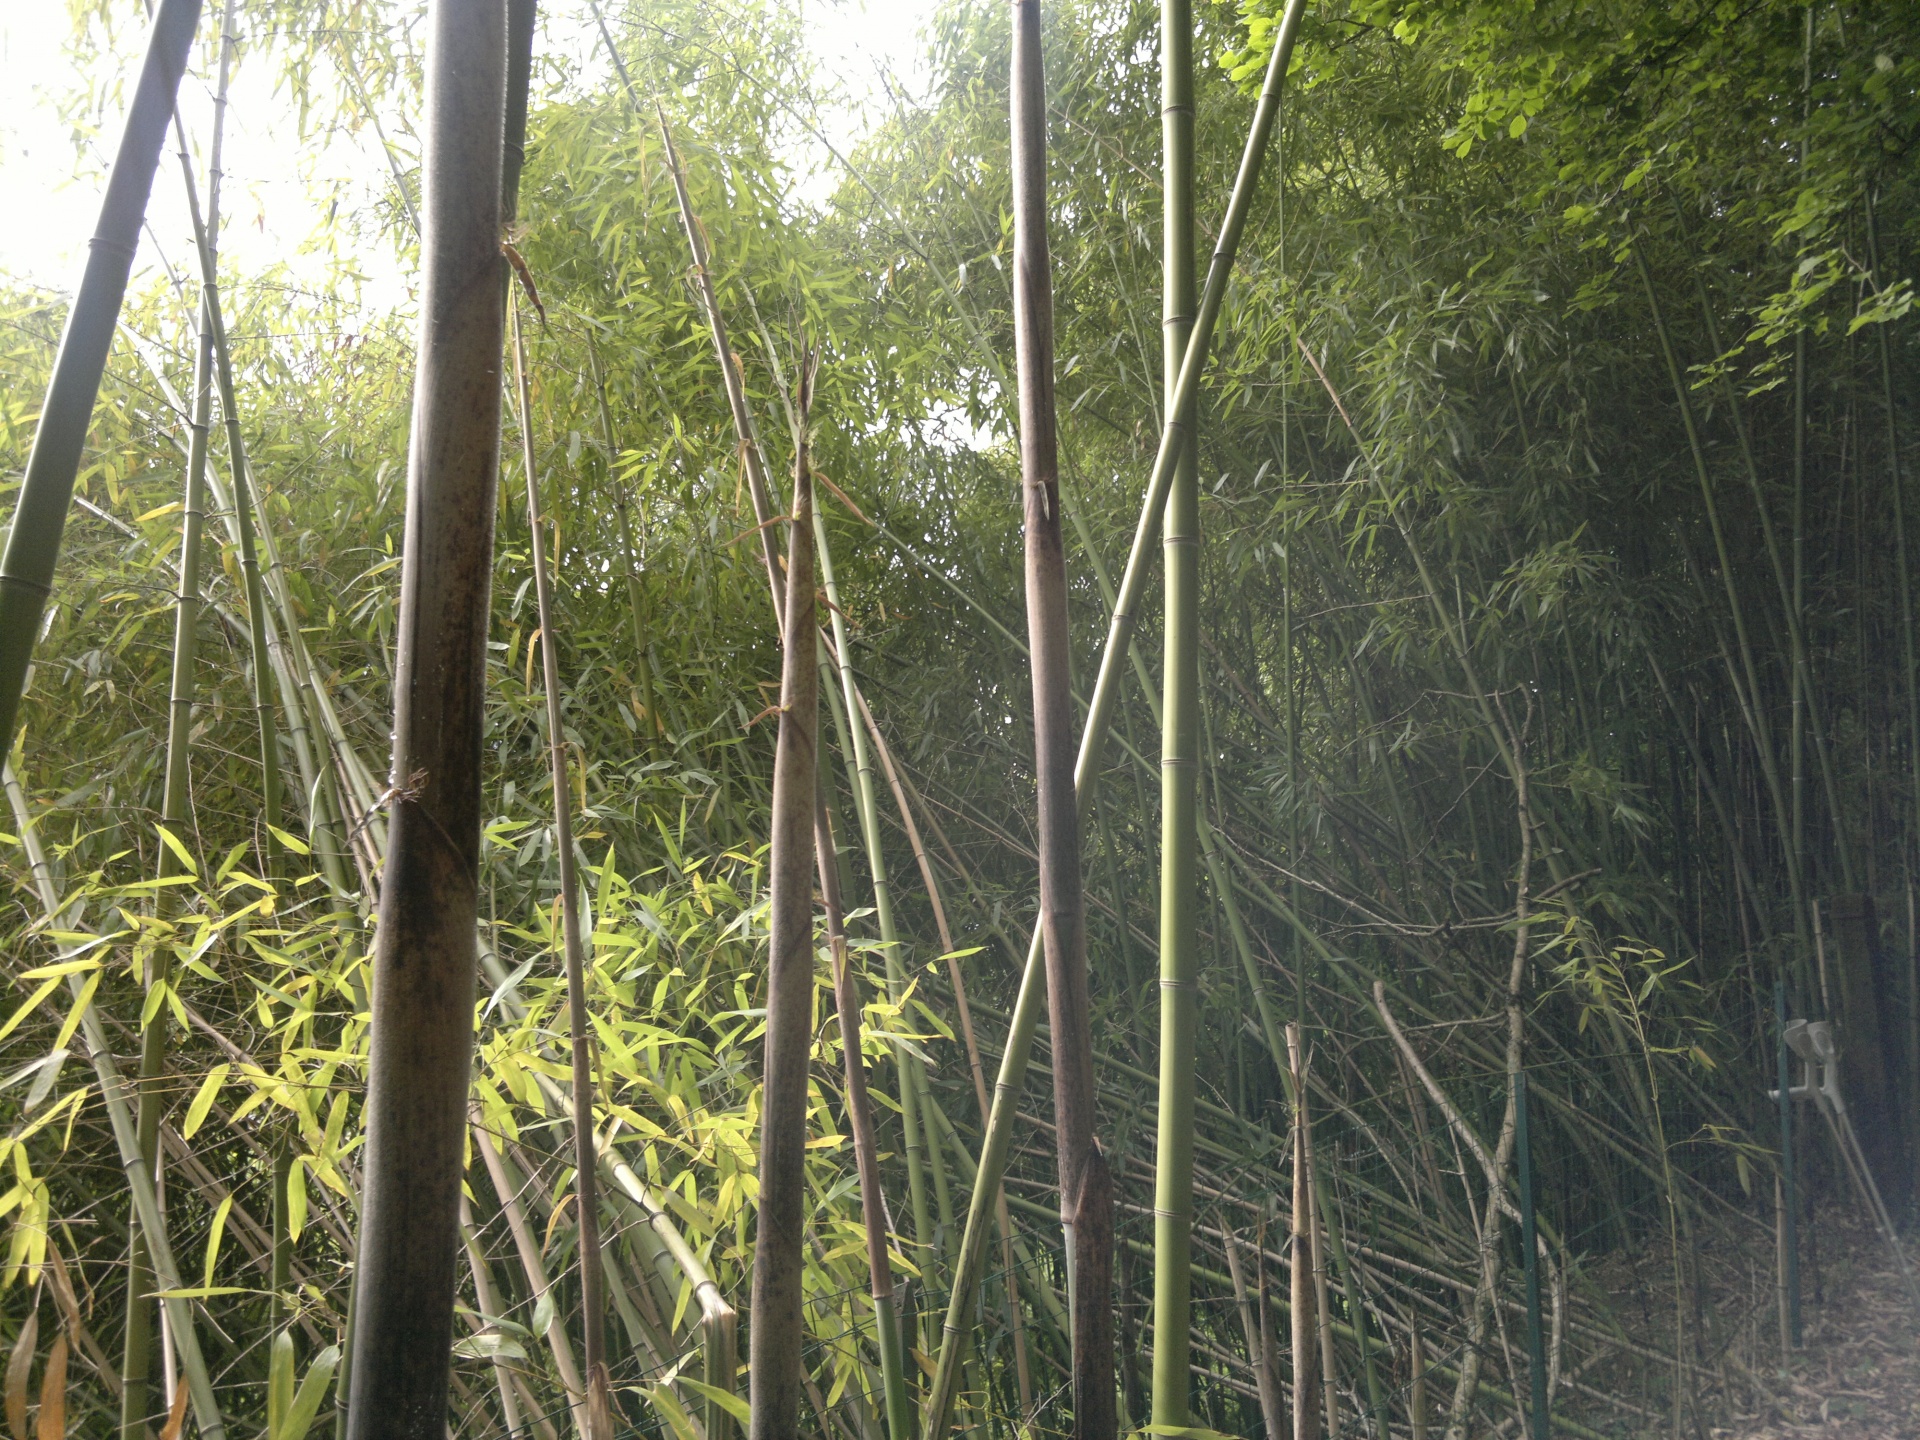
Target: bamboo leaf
{"points": [[76, 1015], [279, 1384], [203, 1099], [214, 1234], [733, 1404], [297, 1197], [180, 852], [53, 1394], [306, 1400], [291, 842], [19, 1367]]}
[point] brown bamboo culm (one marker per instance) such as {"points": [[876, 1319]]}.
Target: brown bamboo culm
{"points": [[425, 961], [773, 1352], [1086, 1188]]}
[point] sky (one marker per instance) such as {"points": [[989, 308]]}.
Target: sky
{"points": [[278, 192]]}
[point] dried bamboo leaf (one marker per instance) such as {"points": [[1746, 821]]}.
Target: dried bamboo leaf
{"points": [[19, 1363], [176, 1414], [53, 1394]]}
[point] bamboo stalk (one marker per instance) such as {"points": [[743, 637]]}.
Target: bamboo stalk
{"points": [[507, 1188], [174, 807], [1085, 1188], [46, 488], [734, 383], [1301, 1313], [717, 1318], [773, 1357], [853, 745], [489, 1303], [424, 960], [1258, 1329], [886, 1315], [1114, 657], [896, 781], [1179, 763], [1349, 1276], [579, 1028]]}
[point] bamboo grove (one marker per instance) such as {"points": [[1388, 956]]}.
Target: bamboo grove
{"points": [[1165, 763]]}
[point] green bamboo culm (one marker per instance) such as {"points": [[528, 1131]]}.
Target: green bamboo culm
{"points": [[46, 490], [859, 759], [1790, 1197], [155, 1015], [207, 245], [1179, 939]]}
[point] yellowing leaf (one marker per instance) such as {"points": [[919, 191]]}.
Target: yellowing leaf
{"points": [[203, 1100]]}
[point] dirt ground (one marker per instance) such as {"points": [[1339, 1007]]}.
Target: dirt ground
{"points": [[1858, 1377]]}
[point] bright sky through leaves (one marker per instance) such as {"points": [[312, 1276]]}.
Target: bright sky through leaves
{"points": [[276, 210]]}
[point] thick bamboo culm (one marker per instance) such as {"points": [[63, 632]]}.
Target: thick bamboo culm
{"points": [[773, 1354], [424, 962], [1086, 1192]]}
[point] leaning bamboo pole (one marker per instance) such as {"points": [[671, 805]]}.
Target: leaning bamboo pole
{"points": [[46, 489], [1179, 757], [897, 782], [422, 1023], [859, 1107], [579, 1028], [718, 1321], [175, 817], [1025, 1020]]}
